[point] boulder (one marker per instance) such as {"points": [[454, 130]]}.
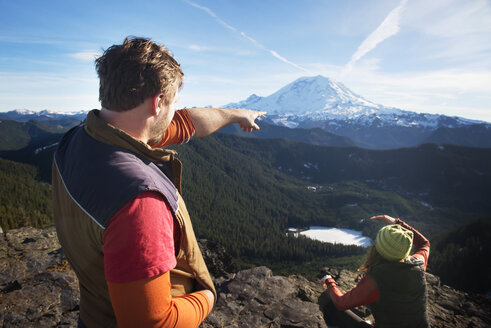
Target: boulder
{"points": [[255, 298], [39, 289]]}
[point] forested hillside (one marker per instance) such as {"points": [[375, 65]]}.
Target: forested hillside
{"points": [[461, 256], [18, 135], [246, 206], [315, 136], [23, 200], [29, 142], [244, 193], [444, 176], [433, 187]]}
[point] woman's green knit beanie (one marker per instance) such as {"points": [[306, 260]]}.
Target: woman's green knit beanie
{"points": [[394, 242]]}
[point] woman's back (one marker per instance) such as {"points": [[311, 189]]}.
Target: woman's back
{"points": [[402, 294]]}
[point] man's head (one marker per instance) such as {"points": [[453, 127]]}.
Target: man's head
{"points": [[134, 71]]}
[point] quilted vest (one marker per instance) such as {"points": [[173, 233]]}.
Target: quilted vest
{"points": [[402, 295], [97, 169]]}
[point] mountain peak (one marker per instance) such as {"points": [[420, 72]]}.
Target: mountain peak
{"points": [[307, 95], [319, 101]]}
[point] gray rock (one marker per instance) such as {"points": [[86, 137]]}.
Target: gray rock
{"points": [[39, 289], [256, 298], [37, 286]]}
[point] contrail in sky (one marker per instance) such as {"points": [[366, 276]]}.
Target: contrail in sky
{"points": [[212, 14], [253, 41], [275, 54], [388, 28]]}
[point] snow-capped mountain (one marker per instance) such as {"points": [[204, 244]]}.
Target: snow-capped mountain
{"points": [[49, 121], [24, 115], [310, 95], [322, 102]]}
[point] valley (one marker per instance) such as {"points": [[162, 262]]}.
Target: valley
{"points": [[244, 191]]}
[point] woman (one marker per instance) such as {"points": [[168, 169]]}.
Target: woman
{"points": [[394, 282]]}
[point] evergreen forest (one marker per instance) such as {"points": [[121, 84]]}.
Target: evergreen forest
{"points": [[244, 193], [24, 201]]}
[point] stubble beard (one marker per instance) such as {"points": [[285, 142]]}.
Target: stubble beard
{"points": [[158, 129]]}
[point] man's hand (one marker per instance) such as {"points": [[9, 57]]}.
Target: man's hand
{"points": [[385, 218], [247, 118], [211, 297]]}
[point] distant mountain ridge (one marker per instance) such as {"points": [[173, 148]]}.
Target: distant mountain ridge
{"points": [[60, 122], [16, 135], [24, 115], [346, 119], [320, 102], [315, 136], [49, 121]]}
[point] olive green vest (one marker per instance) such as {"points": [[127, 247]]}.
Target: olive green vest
{"points": [[402, 295]]}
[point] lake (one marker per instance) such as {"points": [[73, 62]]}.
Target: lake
{"points": [[335, 235]]}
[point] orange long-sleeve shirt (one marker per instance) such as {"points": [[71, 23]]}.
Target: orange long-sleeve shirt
{"points": [[148, 303], [180, 130]]}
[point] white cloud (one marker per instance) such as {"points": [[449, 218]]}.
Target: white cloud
{"points": [[453, 30], [450, 18], [29, 40], [448, 68], [86, 56], [199, 48], [453, 91], [388, 28], [34, 90]]}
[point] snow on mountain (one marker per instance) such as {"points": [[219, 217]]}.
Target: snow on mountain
{"points": [[308, 95], [24, 115], [319, 98]]}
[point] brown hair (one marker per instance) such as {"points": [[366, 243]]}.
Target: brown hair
{"points": [[373, 258], [134, 71]]}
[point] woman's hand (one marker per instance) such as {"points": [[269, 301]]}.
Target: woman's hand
{"points": [[324, 280], [385, 218]]}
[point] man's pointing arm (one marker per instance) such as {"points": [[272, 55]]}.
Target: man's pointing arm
{"points": [[210, 120]]}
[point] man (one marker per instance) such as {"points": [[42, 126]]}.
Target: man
{"points": [[117, 206]]}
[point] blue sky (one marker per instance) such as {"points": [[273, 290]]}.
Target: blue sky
{"points": [[426, 56]]}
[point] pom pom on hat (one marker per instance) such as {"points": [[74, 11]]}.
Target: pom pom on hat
{"points": [[394, 242]]}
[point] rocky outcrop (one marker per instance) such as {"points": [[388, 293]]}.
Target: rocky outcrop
{"points": [[38, 289], [37, 286], [255, 298]]}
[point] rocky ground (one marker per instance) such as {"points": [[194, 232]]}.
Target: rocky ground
{"points": [[38, 289]]}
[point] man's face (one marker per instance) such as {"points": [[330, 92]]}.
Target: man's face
{"points": [[163, 121]]}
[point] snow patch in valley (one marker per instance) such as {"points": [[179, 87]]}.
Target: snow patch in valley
{"points": [[38, 150], [335, 235]]}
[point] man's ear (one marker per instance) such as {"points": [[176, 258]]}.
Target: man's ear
{"points": [[157, 103]]}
